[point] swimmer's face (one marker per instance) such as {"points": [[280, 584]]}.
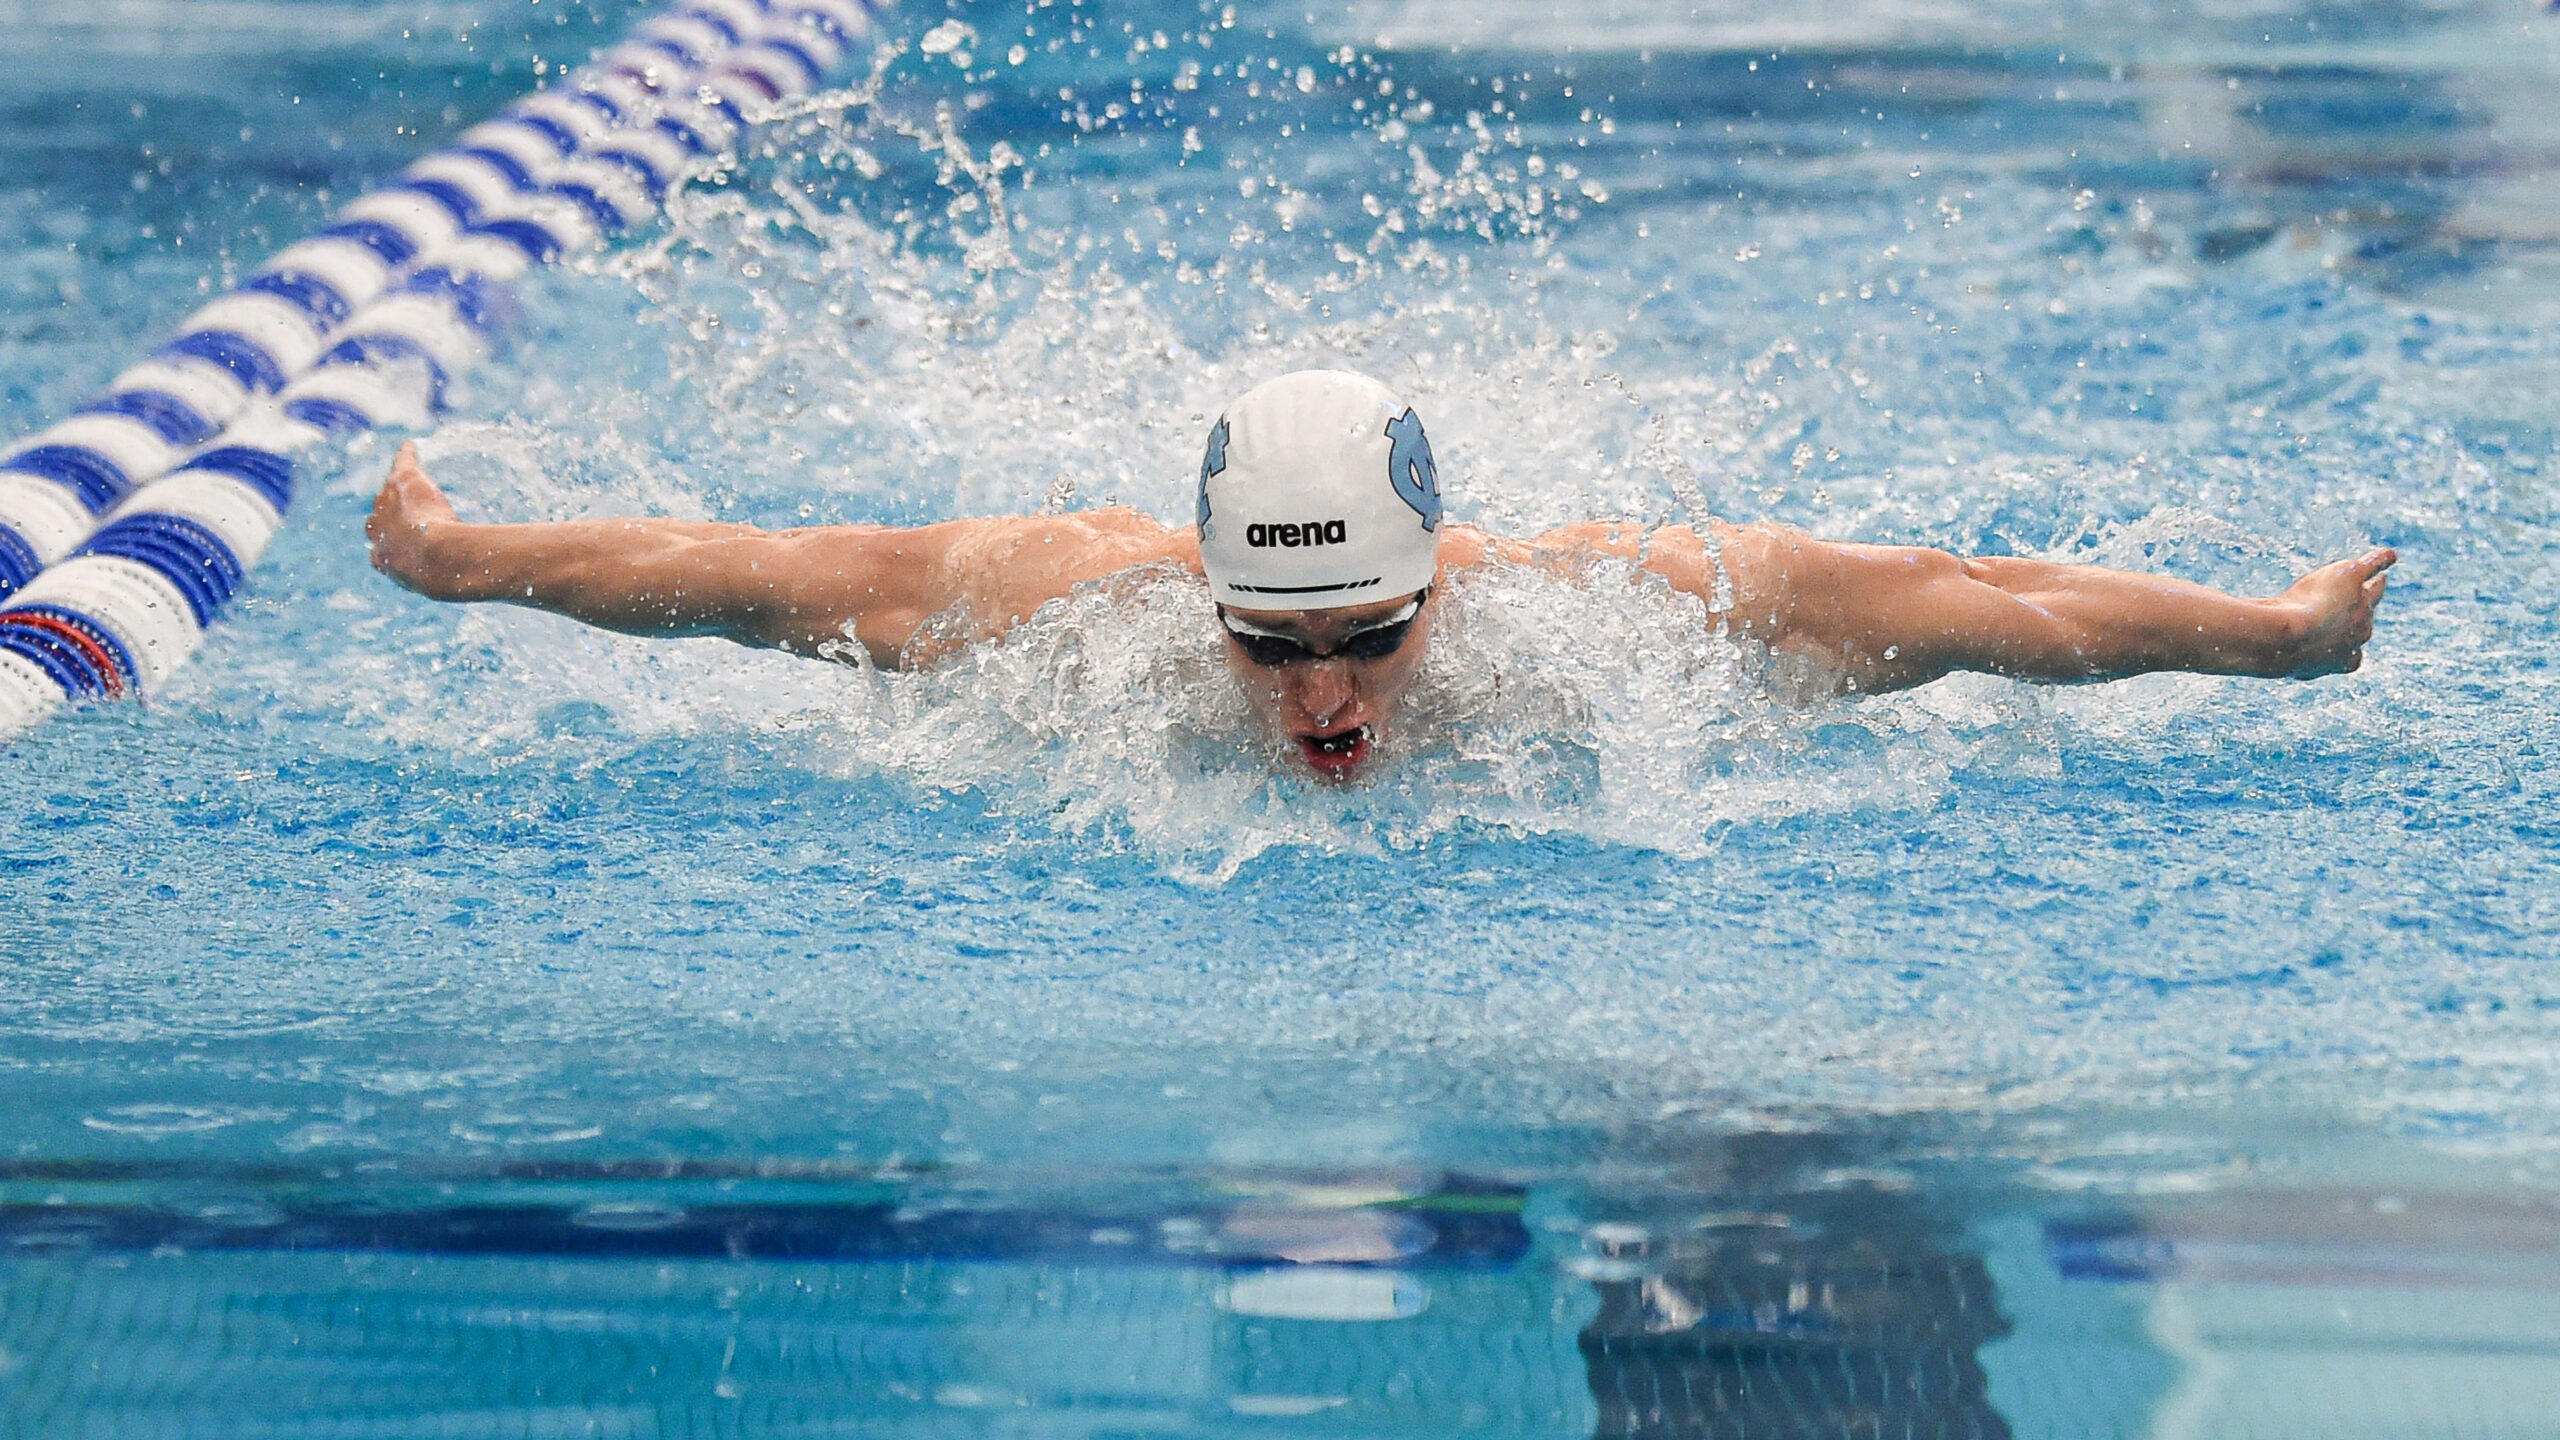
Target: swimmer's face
{"points": [[1333, 682]]}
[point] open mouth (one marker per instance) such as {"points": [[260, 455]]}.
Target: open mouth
{"points": [[1336, 754]]}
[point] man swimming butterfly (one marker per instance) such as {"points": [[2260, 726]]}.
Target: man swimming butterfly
{"points": [[1320, 533]]}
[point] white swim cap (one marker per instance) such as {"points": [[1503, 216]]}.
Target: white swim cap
{"points": [[1318, 493]]}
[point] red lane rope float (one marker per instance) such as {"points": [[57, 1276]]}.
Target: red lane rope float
{"points": [[106, 672]]}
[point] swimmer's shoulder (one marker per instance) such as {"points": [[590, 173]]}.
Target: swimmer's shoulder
{"points": [[1082, 544], [1087, 544], [1751, 559], [1571, 547], [1004, 568], [1136, 537], [1463, 547]]}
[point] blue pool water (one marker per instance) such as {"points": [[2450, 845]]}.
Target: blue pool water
{"points": [[435, 1021]]}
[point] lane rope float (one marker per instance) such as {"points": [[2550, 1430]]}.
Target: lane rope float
{"points": [[126, 529]]}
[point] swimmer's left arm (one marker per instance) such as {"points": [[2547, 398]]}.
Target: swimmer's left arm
{"points": [[1889, 617]]}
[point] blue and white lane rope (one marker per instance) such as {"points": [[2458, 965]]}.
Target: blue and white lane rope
{"points": [[126, 529]]}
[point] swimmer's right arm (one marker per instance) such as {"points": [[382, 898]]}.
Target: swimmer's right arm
{"points": [[796, 590], [791, 590]]}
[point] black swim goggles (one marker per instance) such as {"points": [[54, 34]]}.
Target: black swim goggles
{"points": [[1374, 641]]}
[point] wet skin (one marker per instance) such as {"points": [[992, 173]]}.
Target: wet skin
{"points": [[1858, 617], [1335, 709]]}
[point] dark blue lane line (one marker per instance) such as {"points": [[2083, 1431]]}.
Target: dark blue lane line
{"points": [[632, 1227]]}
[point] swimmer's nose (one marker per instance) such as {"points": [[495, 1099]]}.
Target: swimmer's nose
{"points": [[1323, 690]]}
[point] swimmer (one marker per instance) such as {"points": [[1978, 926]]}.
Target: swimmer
{"points": [[1322, 538]]}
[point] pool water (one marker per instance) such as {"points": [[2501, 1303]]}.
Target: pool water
{"points": [[435, 1021]]}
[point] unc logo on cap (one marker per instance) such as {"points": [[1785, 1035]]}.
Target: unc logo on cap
{"points": [[1410, 470], [1211, 464]]}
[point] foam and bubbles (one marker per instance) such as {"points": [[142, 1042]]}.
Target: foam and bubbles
{"points": [[1602, 707]]}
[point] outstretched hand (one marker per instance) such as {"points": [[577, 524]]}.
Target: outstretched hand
{"points": [[409, 507], [2332, 613]]}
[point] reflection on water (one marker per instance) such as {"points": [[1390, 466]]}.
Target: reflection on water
{"points": [[1791, 1309], [1794, 1286]]}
